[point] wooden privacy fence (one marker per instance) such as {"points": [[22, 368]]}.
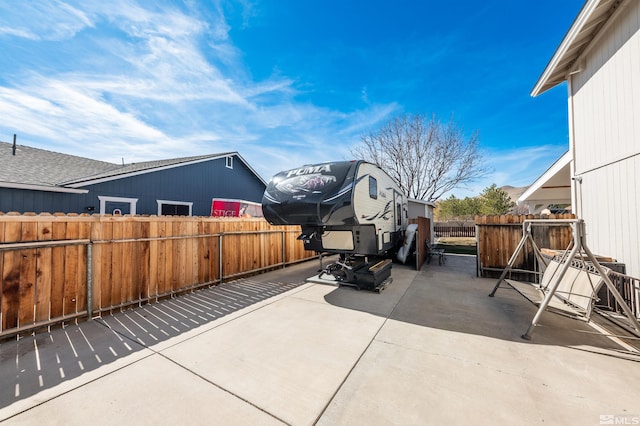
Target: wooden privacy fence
{"points": [[422, 238], [59, 267], [498, 236], [454, 231]]}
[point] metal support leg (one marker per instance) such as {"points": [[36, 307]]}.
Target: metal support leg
{"points": [[550, 293], [512, 260], [612, 288]]}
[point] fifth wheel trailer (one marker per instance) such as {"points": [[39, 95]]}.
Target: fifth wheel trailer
{"points": [[352, 208]]}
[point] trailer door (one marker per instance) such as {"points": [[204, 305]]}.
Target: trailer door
{"points": [[397, 211]]}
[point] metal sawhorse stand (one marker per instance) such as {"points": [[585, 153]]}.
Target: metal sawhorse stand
{"points": [[579, 246]]}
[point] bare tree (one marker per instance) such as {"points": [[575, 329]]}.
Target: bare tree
{"points": [[424, 156]]}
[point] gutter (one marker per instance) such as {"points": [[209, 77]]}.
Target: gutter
{"points": [[46, 188]]}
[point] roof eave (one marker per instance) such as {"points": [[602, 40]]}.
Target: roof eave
{"points": [[546, 176], [545, 81], [83, 183], [32, 187], [594, 19], [428, 203]]}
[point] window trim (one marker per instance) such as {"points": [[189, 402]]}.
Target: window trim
{"points": [[179, 203], [229, 162], [104, 199]]}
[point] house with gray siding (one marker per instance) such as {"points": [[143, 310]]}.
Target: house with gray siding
{"points": [[37, 180]]}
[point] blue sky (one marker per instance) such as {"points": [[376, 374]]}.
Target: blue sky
{"points": [[284, 83]]}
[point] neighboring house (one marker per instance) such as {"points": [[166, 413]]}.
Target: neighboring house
{"points": [[553, 187], [37, 180], [599, 58]]}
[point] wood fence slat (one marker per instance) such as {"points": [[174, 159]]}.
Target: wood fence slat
{"points": [[10, 289], [129, 263], [106, 264], [201, 254], [179, 267], [96, 265], [168, 259], [144, 258], [117, 270], [72, 254], [191, 261], [12, 232], [43, 271], [153, 258], [26, 315], [58, 232], [213, 250], [128, 254], [84, 233], [43, 284]]}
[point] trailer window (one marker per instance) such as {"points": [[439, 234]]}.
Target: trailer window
{"points": [[373, 188], [399, 213]]}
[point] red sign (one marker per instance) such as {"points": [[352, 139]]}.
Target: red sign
{"points": [[221, 207]]}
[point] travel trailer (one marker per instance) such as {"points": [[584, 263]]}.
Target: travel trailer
{"points": [[352, 208]]}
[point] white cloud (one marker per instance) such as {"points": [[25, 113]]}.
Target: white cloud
{"points": [[42, 20], [152, 81]]}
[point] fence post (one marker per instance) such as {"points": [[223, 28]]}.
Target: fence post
{"points": [[478, 254], [89, 281], [418, 241], [284, 252], [220, 257]]}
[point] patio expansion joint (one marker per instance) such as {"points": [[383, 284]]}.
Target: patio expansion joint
{"points": [[364, 351], [235, 395], [190, 371]]}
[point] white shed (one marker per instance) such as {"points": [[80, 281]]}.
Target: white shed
{"points": [[421, 208], [599, 58]]}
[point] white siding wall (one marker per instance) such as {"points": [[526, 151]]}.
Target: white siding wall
{"points": [[606, 140]]}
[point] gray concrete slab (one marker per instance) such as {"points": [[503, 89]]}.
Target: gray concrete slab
{"points": [[153, 390], [451, 355], [36, 364], [431, 348], [288, 358]]}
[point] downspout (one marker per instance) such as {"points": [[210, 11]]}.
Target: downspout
{"points": [[576, 181]]}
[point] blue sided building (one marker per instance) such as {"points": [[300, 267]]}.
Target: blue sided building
{"points": [[37, 180]]}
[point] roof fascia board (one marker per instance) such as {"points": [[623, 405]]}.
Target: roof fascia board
{"points": [[546, 176], [594, 41], [566, 43], [42, 188]]}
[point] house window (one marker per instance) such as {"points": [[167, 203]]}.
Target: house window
{"points": [[174, 208], [373, 188], [117, 205], [229, 162]]}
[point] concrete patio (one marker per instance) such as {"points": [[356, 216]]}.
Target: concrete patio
{"points": [[432, 348]]}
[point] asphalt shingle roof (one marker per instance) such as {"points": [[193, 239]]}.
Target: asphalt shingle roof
{"points": [[34, 166], [139, 167]]}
